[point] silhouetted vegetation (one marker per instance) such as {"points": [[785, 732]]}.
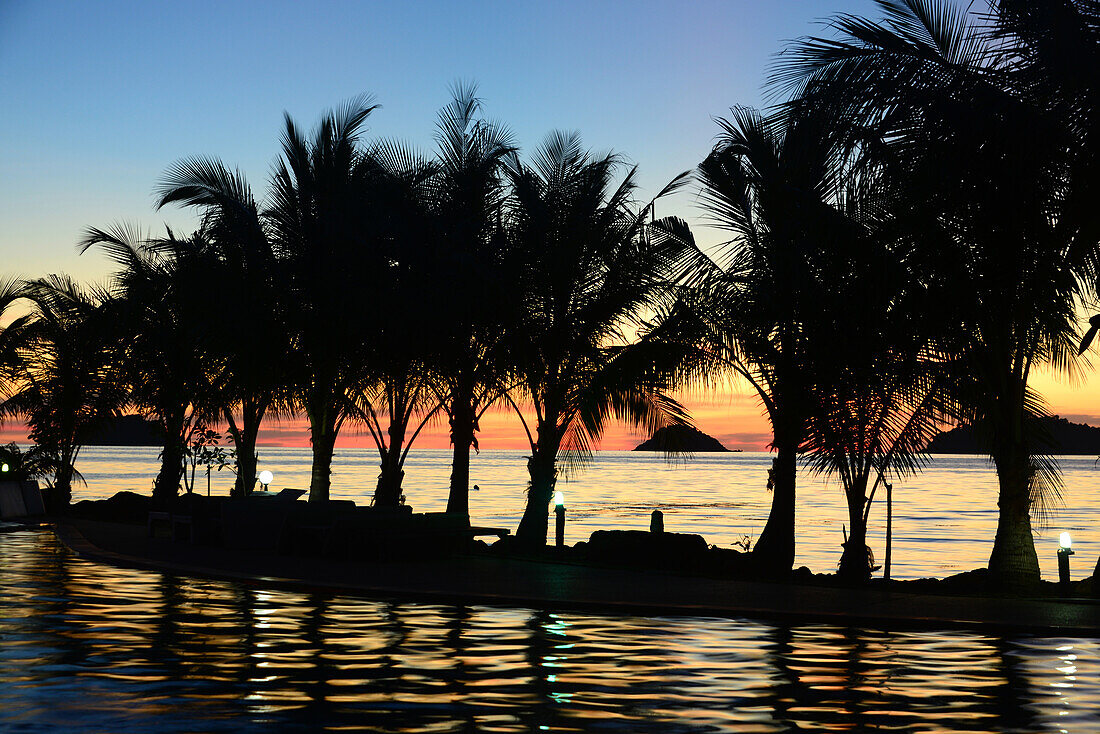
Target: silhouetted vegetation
{"points": [[911, 232]]}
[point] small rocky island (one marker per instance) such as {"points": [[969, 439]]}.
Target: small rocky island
{"points": [[1054, 435], [681, 439], [128, 430]]}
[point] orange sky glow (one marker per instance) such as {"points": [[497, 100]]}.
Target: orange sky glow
{"points": [[731, 415]]}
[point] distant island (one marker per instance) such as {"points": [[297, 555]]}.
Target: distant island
{"points": [[1065, 438], [128, 430], [681, 438]]}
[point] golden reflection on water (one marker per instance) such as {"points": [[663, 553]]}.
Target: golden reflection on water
{"points": [[91, 647]]}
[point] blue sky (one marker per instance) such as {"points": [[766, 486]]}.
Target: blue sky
{"points": [[99, 98]]}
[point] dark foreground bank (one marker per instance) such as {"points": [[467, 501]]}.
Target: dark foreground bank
{"points": [[509, 580]]}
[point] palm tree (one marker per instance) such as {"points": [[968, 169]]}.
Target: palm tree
{"points": [[587, 270], [880, 385], [11, 335], [245, 324], [397, 378], [468, 196], [769, 185], [983, 168], [1053, 51], [157, 304], [68, 375], [322, 224]]}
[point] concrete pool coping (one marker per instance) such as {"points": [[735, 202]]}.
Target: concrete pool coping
{"points": [[527, 583]]}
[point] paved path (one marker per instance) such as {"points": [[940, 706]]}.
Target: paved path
{"points": [[562, 586]]}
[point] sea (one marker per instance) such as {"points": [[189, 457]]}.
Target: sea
{"points": [[944, 519], [91, 647]]}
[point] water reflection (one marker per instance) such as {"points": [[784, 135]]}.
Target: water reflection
{"points": [[96, 648]]}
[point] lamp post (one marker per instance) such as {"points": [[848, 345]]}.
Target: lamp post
{"points": [[559, 510], [265, 478], [1065, 550]]}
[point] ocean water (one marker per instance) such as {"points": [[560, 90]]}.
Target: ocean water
{"points": [[90, 647], [86, 647], [944, 519]]}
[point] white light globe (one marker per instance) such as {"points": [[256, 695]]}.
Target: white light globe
{"points": [[266, 477], [1064, 540], [559, 498]]}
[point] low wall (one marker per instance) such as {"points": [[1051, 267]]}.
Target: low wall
{"points": [[20, 499]]}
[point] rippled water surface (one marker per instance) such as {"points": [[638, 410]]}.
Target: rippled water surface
{"points": [[86, 647], [944, 519]]}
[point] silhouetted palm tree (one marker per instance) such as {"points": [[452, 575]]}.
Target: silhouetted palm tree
{"points": [[984, 169], [157, 305], [587, 270], [398, 353], [881, 385], [244, 328], [67, 379], [770, 186], [1052, 49], [322, 227], [14, 319], [468, 195]]}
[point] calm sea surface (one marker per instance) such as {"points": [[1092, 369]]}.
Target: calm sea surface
{"points": [[944, 519], [87, 647]]}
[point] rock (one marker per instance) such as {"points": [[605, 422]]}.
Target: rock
{"points": [[123, 507], [681, 552], [681, 439], [1051, 435]]}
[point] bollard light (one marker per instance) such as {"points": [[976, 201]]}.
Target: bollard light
{"points": [[559, 510], [657, 522], [1065, 550], [265, 478], [5, 468]]}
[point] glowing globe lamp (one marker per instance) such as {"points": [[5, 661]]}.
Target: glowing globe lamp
{"points": [[266, 477]]}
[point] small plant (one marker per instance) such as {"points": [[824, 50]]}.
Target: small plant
{"points": [[204, 449], [744, 542]]}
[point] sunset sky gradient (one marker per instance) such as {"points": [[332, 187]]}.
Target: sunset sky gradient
{"points": [[100, 98]]}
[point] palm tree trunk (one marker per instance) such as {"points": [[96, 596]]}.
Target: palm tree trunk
{"points": [[246, 464], [322, 436], [245, 438], [1013, 562], [63, 483], [533, 526], [388, 491], [167, 483], [774, 551], [855, 564], [462, 437]]}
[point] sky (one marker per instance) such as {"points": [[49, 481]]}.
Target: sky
{"points": [[98, 99]]}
